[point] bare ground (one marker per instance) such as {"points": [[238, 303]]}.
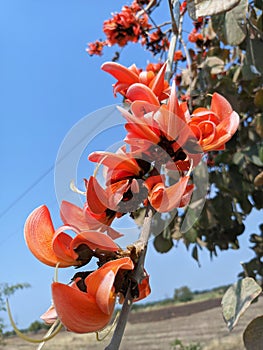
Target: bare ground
{"points": [[157, 329]]}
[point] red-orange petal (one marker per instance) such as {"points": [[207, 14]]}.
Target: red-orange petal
{"points": [[78, 311], [100, 282], [96, 196], [165, 199], [157, 84], [144, 289], [220, 106], [141, 92], [120, 72], [94, 240], [73, 215], [39, 232], [61, 244]]}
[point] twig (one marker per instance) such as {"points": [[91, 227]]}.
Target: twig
{"points": [[147, 8], [127, 305], [189, 64], [174, 24], [174, 7]]}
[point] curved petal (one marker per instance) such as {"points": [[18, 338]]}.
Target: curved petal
{"points": [[120, 72], [140, 108], [49, 316], [96, 196], [120, 87], [224, 131], [208, 131], [145, 77], [157, 84], [61, 246], [73, 215], [141, 92], [115, 161], [165, 199], [39, 232], [78, 311], [140, 127], [186, 196], [144, 289], [94, 240], [220, 106], [100, 282]]}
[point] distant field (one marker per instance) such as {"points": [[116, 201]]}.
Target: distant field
{"points": [[157, 330]]}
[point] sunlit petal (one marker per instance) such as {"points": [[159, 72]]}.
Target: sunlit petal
{"points": [[94, 240], [120, 72], [78, 311], [141, 92], [39, 232]]}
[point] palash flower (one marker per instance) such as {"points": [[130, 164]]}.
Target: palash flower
{"points": [[215, 126], [123, 175], [88, 303], [163, 125], [85, 219], [164, 199], [52, 246], [171, 126], [161, 197], [125, 26], [126, 77]]}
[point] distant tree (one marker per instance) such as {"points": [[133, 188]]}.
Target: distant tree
{"points": [[6, 291], [37, 326], [183, 294]]}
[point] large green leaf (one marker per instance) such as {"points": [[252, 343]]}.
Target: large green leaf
{"points": [[200, 8], [237, 299], [253, 335], [230, 26]]}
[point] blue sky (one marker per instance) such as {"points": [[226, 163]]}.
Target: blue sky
{"points": [[48, 83]]}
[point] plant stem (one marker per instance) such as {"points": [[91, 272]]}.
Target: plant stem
{"points": [[127, 305]]}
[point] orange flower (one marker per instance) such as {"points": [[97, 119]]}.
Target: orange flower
{"points": [[214, 127], [87, 219], [156, 86], [164, 199], [95, 48], [164, 125], [52, 246], [123, 180], [125, 26], [178, 55], [88, 304]]}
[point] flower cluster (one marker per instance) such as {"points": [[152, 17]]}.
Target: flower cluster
{"points": [[156, 42], [96, 47], [129, 25], [87, 304], [153, 170]]}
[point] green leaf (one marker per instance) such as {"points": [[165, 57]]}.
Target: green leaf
{"points": [[238, 158], [195, 254], [237, 299], [161, 244], [230, 26], [253, 335], [200, 8]]}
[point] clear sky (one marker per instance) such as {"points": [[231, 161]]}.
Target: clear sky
{"points": [[48, 83]]}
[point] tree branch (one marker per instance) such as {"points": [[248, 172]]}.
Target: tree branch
{"points": [[175, 17]]}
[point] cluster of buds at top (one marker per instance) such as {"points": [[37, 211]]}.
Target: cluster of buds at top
{"points": [[126, 26]]}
